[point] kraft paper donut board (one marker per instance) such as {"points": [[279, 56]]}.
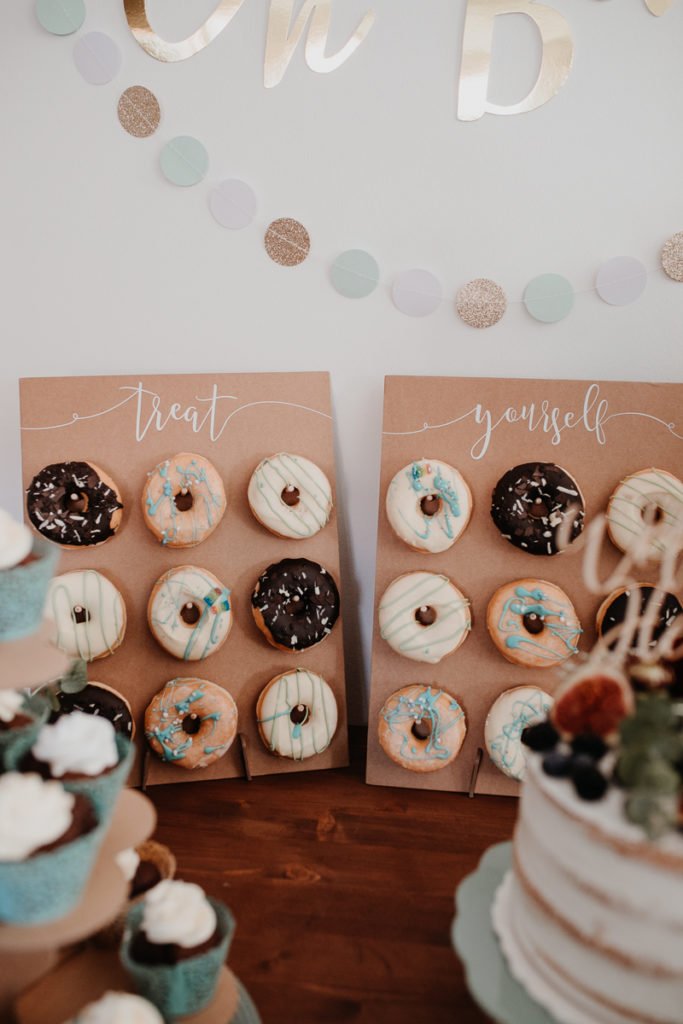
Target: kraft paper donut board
{"points": [[599, 433], [127, 426]]}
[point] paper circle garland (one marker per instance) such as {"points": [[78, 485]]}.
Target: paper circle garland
{"points": [[355, 274], [139, 112], [97, 57], [621, 280], [481, 303], [549, 298], [233, 204], [184, 161], [416, 292], [287, 242], [672, 257], [60, 17]]}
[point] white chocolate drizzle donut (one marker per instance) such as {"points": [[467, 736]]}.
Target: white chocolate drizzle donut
{"points": [[649, 496], [189, 612], [297, 714], [421, 728], [183, 500], [423, 616], [88, 613], [428, 505], [508, 717], [290, 496]]}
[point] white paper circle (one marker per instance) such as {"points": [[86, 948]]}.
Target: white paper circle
{"points": [[416, 292], [97, 57], [621, 280], [233, 204]]}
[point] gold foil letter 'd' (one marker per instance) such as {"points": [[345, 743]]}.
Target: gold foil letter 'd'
{"points": [[282, 41], [556, 62], [283, 38]]}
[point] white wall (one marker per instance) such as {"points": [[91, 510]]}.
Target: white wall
{"points": [[108, 269]]}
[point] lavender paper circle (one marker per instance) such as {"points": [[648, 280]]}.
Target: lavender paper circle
{"points": [[621, 280], [233, 204], [60, 17], [416, 292], [97, 57], [184, 161]]}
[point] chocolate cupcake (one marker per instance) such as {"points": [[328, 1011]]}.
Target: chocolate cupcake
{"points": [[20, 717], [27, 565], [175, 943], [146, 866], [116, 1008], [48, 842]]}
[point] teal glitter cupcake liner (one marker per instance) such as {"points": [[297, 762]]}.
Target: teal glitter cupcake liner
{"points": [[38, 709], [102, 791], [23, 591], [187, 987], [49, 885]]}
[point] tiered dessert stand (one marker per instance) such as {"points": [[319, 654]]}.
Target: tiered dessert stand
{"points": [[47, 972]]}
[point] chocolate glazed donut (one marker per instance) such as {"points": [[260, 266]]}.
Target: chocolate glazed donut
{"points": [[536, 506], [295, 604], [74, 504]]}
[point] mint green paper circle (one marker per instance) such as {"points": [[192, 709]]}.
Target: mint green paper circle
{"points": [[355, 274], [61, 17], [184, 161], [549, 298]]}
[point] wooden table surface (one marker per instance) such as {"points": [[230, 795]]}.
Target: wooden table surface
{"points": [[343, 892]]}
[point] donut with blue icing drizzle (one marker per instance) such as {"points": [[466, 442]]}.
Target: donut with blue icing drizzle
{"points": [[533, 623], [190, 612], [424, 617], [650, 497], [183, 500], [191, 723], [421, 728], [297, 714], [428, 505], [290, 496], [508, 717]]}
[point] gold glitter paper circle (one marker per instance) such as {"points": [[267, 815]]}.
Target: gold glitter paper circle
{"points": [[672, 257], [481, 303], [139, 111], [287, 242]]}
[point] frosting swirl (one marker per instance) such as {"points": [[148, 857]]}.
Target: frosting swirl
{"points": [[33, 813], [128, 862], [11, 704], [16, 541], [119, 1008], [179, 913], [78, 743]]}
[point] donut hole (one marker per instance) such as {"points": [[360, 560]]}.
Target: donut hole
{"points": [[75, 501], [192, 723], [183, 500], [79, 614], [295, 607], [290, 495], [653, 513], [425, 615], [299, 714], [533, 623], [190, 613], [430, 505], [421, 730], [539, 509]]}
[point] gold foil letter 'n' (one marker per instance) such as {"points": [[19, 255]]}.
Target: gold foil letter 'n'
{"points": [[556, 62], [283, 38]]}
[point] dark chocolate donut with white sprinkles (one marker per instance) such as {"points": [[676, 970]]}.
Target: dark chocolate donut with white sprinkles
{"points": [[98, 699], [613, 610], [74, 504], [295, 604], [538, 507]]}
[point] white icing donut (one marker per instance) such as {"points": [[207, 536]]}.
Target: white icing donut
{"points": [[290, 496], [88, 613], [508, 717], [429, 505], [189, 612], [297, 714], [423, 616], [632, 500]]}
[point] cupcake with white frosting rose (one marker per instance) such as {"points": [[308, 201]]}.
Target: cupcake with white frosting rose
{"points": [[27, 564], [118, 1008], [20, 717], [48, 843], [84, 752], [175, 943]]}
